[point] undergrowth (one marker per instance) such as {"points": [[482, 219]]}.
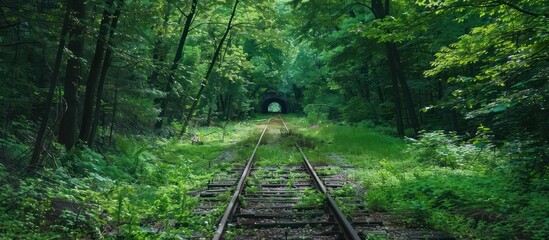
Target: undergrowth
{"points": [[142, 187], [469, 188]]}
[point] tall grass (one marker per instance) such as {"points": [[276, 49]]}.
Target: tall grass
{"points": [[349, 145], [438, 181]]}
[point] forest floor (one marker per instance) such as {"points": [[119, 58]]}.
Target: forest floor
{"points": [[143, 188]]}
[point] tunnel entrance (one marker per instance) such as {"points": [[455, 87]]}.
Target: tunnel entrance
{"points": [[274, 107], [272, 102]]}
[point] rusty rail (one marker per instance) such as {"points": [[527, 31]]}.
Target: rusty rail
{"points": [[232, 205], [345, 226]]}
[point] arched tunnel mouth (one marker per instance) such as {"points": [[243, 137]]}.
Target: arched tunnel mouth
{"points": [[274, 105]]}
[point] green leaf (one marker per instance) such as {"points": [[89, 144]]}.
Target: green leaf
{"points": [[500, 108]]}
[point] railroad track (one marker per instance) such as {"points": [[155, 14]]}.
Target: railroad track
{"points": [[291, 201], [294, 200]]}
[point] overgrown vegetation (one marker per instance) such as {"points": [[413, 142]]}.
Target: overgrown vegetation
{"points": [[470, 188], [95, 96], [141, 188]]}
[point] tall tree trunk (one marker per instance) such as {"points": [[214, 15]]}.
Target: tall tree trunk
{"points": [[398, 77], [380, 94], [455, 120], [419, 104], [68, 126], [380, 9], [159, 53], [229, 111], [95, 70], [220, 102], [104, 70], [210, 68], [37, 151], [398, 107], [178, 55], [210, 111], [114, 107], [397, 66]]}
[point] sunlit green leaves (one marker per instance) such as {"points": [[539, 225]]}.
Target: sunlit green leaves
{"points": [[235, 65], [496, 67]]}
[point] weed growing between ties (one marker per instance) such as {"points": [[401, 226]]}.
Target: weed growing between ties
{"points": [[464, 187], [311, 198]]}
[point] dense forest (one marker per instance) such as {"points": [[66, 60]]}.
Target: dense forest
{"points": [[113, 111]]}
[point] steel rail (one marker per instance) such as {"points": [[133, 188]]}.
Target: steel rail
{"points": [[348, 230], [232, 205], [285, 126], [344, 224]]}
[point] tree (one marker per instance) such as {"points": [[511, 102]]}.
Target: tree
{"points": [[159, 49], [39, 143], [104, 70], [95, 70], [178, 55], [68, 126], [210, 68], [498, 73]]}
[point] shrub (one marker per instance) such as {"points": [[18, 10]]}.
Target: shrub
{"points": [[316, 113], [356, 110], [448, 150]]}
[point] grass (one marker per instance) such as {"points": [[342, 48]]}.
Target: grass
{"points": [[434, 182], [346, 145], [142, 186], [146, 183], [276, 155]]}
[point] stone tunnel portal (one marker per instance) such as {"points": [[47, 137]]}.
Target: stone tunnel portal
{"points": [[269, 98]]}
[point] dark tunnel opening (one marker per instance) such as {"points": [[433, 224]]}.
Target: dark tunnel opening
{"points": [[283, 106]]}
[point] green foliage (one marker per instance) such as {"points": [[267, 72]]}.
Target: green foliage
{"points": [[311, 198], [470, 189], [142, 187], [496, 70], [270, 155], [316, 114], [464, 205], [468, 63], [357, 110], [12, 149], [446, 150], [349, 143]]}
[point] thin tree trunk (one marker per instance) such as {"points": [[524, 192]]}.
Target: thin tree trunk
{"points": [[398, 107], [178, 55], [157, 59], [210, 68], [68, 126], [103, 76], [115, 105], [397, 68], [380, 9], [419, 104], [221, 102], [158, 52], [7, 122], [210, 111], [455, 121], [229, 108], [37, 151], [95, 70]]}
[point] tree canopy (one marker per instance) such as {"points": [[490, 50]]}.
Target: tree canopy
{"points": [[80, 73]]}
